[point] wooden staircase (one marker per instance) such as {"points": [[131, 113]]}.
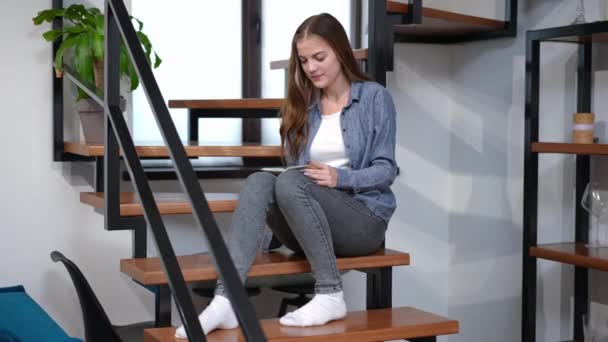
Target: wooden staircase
{"points": [[370, 325], [381, 321], [168, 203], [149, 271], [152, 150]]}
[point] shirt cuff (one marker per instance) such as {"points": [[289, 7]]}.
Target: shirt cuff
{"points": [[344, 178]]}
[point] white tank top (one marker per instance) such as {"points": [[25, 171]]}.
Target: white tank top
{"points": [[328, 144]]}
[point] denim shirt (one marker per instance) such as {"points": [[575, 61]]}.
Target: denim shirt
{"points": [[368, 130]]}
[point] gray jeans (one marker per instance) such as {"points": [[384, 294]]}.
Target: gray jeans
{"points": [[308, 218]]}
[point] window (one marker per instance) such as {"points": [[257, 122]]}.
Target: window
{"points": [[200, 44]]}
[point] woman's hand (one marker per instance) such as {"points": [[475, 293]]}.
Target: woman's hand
{"points": [[322, 174]]}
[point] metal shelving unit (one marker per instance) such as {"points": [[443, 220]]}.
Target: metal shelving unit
{"points": [[574, 253]]}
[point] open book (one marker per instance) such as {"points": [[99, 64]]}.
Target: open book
{"points": [[283, 169]]}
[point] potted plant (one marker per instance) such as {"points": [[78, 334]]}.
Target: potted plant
{"points": [[83, 36]]}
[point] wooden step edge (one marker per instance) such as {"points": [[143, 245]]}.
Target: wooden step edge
{"points": [[192, 150], [360, 54], [199, 267], [202, 172], [168, 203], [395, 7], [247, 103], [361, 326]]}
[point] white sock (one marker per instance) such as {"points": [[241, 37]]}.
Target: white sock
{"points": [[217, 315], [320, 310]]}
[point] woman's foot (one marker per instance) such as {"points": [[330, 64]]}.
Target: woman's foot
{"points": [[320, 310], [217, 315]]}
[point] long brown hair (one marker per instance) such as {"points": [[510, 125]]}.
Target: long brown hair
{"points": [[300, 90]]}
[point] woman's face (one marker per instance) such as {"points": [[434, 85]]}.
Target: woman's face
{"points": [[319, 61]]}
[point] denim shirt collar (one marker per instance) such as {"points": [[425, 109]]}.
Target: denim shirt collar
{"points": [[355, 93]]}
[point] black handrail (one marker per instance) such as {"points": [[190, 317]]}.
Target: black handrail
{"points": [[118, 24]]}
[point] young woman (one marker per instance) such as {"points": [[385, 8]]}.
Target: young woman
{"points": [[343, 127]]}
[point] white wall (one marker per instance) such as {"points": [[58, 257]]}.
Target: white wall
{"points": [[39, 209], [421, 89], [485, 134]]}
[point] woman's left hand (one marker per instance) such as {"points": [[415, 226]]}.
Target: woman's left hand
{"points": [[322, 174]]}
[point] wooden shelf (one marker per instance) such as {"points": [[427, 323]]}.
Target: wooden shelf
{"points": [[360, 54], [228, 104], [168, 203], [595, 32], [152, 150], [574, 254], [442, 24], [569, 148], [199, 267], [372, 325]]}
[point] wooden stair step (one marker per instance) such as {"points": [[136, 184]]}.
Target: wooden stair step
{"points": [[249, 103], [151, 150], [155, 173], [360, 54], [199, 267], [441, 24], [168, 203], [361, 326], [396, 7]]}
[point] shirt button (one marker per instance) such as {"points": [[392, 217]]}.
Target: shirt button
{"points": [[347, 146], [343, 129]]}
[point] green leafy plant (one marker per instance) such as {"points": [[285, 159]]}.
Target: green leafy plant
{"points": [[83, 33]]}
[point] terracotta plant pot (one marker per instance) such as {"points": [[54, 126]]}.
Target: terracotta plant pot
{"points": [[92, 119], [91, 113]]}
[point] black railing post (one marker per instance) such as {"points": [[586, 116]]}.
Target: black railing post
{"points": [[57, 94], [530, 209], [377, 41], [99, 177], [415, 12], [511, 17], [251, 29], [583, 105], [112, 163]]}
